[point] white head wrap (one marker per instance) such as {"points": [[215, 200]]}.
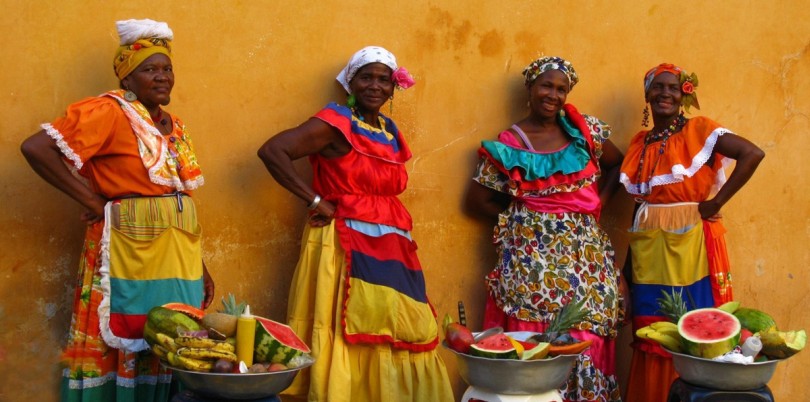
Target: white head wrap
{"points": [[131, 30], [366, 55]]}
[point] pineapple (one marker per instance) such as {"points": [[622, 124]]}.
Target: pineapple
{"points": [[567, 317], [231, 307], [672, 305]]}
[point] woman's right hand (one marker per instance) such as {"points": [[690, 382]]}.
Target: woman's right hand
{"points": [[96, 213], [324, 213]]}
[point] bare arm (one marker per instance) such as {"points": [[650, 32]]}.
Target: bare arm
{"points": [[45, 158], [484, 202], [748, 157], [610, 162], [311, 137]]}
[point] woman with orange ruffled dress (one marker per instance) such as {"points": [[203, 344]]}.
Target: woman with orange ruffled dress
{"points": [[135, 170], [676, 173]]}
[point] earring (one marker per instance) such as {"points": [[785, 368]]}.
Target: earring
{"points": [[391, 105], [351, 101], [529, 104], [645, 120], [130, 96]]}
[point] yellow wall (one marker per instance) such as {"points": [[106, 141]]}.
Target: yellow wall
{"points": [[248, 69]]}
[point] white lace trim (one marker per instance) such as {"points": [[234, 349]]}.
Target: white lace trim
{"points": [[126, 344], [92, 382], [679, 172], [63, 146]]}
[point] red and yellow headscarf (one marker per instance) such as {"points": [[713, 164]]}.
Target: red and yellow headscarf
{"points": [[688, 83], [139, 40]]}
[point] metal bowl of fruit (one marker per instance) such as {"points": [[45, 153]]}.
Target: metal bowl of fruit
{"points": [[724, 376], [514, 377], [237, 386]]}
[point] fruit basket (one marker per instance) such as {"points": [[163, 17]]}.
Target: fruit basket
{"points": [[237, 386], [723, 375], [514, 377]]}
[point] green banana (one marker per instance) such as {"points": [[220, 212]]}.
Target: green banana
{"points": [[206, 354], [666, 341], [195, 342]]}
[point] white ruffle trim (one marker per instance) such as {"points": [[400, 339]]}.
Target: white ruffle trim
{"points": [[63, 146], [126, 344], [679, 172]]}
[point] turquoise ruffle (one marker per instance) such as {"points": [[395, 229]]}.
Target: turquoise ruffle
{"points": [[570, 159]]}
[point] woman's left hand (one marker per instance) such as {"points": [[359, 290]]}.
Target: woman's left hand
{"points": [[208, 288], [323, 214], [710, 210]]}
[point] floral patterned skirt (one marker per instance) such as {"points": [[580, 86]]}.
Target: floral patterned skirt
{"points": [[547, 260]]}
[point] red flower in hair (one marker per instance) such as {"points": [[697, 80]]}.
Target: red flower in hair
{"points": [[136, 46], [687, 88]]}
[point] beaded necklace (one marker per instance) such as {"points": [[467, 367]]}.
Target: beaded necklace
{"points": [[650, 138]]}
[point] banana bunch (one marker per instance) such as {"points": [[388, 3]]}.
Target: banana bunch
{"points": [[663, 332], [193, 353]]}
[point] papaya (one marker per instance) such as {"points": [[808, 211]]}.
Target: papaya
{"points": [[569, 349]]}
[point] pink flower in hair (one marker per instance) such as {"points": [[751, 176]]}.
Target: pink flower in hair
{"points": [[402, 78]]}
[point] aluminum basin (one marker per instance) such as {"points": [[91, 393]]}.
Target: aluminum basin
{"points": [[514, 377], [723, 375], [237, 386]]}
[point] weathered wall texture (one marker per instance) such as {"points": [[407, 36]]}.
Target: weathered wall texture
{"points": [[248, 69]]}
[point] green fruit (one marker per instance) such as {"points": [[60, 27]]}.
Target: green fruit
{"points": [[754, 320], [166, 321], [729, 307], [781, 345], [536, 353]]}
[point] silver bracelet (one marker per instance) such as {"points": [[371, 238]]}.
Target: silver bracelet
{"points": [[315, 202]]}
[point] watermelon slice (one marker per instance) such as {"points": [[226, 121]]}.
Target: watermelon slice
{"points": [[709, 332], [276, 342], [494, 347]]}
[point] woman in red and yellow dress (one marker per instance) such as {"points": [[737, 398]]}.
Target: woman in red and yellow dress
{"points": [[676, 173], [135, 169], [359, 296]]}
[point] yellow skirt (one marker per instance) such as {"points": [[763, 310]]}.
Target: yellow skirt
{"points": [[344, 372]]}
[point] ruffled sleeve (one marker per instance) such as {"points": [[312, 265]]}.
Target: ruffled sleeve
{"points": [[85, 129]]}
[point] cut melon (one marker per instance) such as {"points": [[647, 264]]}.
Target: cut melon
{"points": [[781, 345], [494, 347], [709, 332], [539, 351], [276, 342]]}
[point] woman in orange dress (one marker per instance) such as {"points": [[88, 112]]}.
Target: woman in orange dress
{"points": [[135, 170], [676, 173]]}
